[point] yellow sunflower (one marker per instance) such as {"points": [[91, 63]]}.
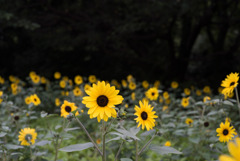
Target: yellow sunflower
{"points": [[133, 96], [57, 75], [234, 149], [86, 87], [174, 84], [132, 85], [28, 100], [124, 83], [230, 83], [43, 80], [1, 93], [130, 78], [62, 84], [198, 92], [164, 108], [225, 132], [165, 95], [92, 79], [67, 107], [152, 93], [35, 99], [27, 136], [206, 98], [145, 115], [167, 143], [185, 102], [207, 89], [145, 84], [57, 102], [161, 99], [189, 121], [187, 91], [35, 79], [78, 79], [156, 83], [2, 80], [77, 91], [102, 100]]}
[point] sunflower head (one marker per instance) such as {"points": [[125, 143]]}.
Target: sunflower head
{"points": [[28, 100], [145, 84], [92, 79], [132, 86], [145, 115], [35, 100], [174, 84], [187, 91], [234, 150], [225, 132], [27, 136], [230, 83], [57, 75], [207, 89], [124, 83], [185, 102], [77, 91], [102, 100], [198, 92], [156, 83], [152, 93], [189, 121], [167, 143], [67, 108], [78, 79]]}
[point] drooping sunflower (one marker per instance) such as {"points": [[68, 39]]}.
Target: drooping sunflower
{"points": [[145, 115], [102, 100], [189, 121], [132, 86], [225, 132], [77, 91], [145, 84], [67, 107], [35, 100], [185, 102], [78, 79], [152, 93], [234, 150], [27, 136], [174, 84], [230, 83]]}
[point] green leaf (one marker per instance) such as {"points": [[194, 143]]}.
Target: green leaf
{"points": [[226, 102], [71, 129], [125, 159], [127, 133], [2, 134], [43, 114], [164, 150], [43, 142], [77, 147], [11, 146]]}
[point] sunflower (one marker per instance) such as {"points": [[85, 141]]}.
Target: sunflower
{"points": [[43, 80], [78, 79], [165, 95], [132, 85], [207, 89], [27, 136], [145, 115], [28, 100], [145, 84], [67, 107], [230, 83], [102, 100], [225, 132], [35, 79], [92, 79], [189, 121], [62, 84], [124, 83], [1, 93], [77, 91], [187, 91], [130, 78], [167, 143], [35, 99], [174, 84], [168, 101], [164, 108], [133, 96], [161, 99], [86, 87], [57, 102], [156, 83], [185, 102], [57, 75], [220, 89], [2, 80], [206, 98], [234, 149], [152, 93], [198, 92]]}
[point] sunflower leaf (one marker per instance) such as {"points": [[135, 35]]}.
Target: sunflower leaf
{"points": [[127, 133], [77, 147], [164, 150], [2, 134]]}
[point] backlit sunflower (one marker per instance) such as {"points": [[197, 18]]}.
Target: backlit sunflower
{"points": [[78, 79], [189, 121], [27, 136], [145, 84], [92, 79], [187, 91], [174, 84], [145, 115], [132, 85], [67, 107], [152, 93], [234, 150], [77, 91], [185, 102], [35, 99], [57, 75], [225, 132], [230, 83], [102, 100]]}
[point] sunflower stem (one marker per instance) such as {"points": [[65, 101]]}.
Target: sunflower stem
{"points": [[236, 91], [103, 141], [119, 150], [145, 146], [90, 138], [136, 142]]}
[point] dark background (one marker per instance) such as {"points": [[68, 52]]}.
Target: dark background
{"points": [[193, 41]]}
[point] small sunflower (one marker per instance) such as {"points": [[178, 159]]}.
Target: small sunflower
{"points": [[78, 79], [145, 84], [35, 100], [230, 83], [164, 108], [145, 115], [225, 132], [206, 98], [187, 91], [57, 102], [156, 83], [198, 92], [207, 89], [28, 100], [133, 96], [43, 80], [67, 107], [167, 143], [92, 79], [234, 149], [35, 79], [174, 84], [86, 87], [152, 93], [130, 78], [168, 101], [132, 85], [77, 91], [165, 95], [124, 83], [62, 83], [102, 100], [57, 75], [189, 121], [161, 99], [185, 102], [27, 136]]}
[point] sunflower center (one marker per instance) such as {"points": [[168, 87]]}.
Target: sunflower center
{"points": [[102, 101], [225, 132], [68, 109], [153, 93], [16, 118], [144, 115], [206, 124], [28, 137], [232, 83], [35, 99]]}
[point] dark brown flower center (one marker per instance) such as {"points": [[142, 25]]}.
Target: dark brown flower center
{"points": [[232, 83], [102, 101], [16, 118], [225, 132], [68, 109], [35, 99], [206, 124], [144, 115], [153, 93], [28, 137]]}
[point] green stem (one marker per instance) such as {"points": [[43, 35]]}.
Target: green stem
{"points": [[31, 155], [90, 138], [136, 142], [236, 91], [103, 141], [119, 150], [145, 146]]}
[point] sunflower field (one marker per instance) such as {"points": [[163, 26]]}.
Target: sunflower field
{"points": [[84, 118]]}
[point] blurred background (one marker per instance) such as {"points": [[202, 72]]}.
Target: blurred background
{"points": [[188, 41]]}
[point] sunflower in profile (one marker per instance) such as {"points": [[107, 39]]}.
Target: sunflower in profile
{"points": [[145, 115], [67, 107], [27, 136], [102, 100], [133, 96], [234, 149], [230, 83], [78, 80], [189, 121], [152, 93], [35, 100], [132, 85], [185, 102], [174, 84], [225, 132]]}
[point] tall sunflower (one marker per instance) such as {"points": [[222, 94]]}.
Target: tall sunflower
{"points": [[225, 132], [230, 83], [27, 136], [102, 100], [67, 107], [145, 115], [152, 93], [234, 149]]}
